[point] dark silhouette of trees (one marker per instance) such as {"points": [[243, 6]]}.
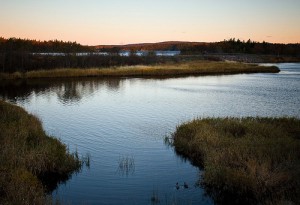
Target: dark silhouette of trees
{"points": [[249, 47], [20, 54], [24, 55]]}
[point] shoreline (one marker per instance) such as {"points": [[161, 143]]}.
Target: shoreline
{"points": [[254, 58], [191, 68]]}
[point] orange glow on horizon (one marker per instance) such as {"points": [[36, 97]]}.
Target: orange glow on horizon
{"points": [[93, 22]]}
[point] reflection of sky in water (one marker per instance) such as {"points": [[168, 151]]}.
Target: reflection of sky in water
{"points": [[130, 117]]}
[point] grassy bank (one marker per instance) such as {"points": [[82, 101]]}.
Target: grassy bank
{"points": [[28, 157], [248, 160], [164, 70]]}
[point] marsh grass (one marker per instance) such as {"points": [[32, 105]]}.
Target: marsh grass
{"points": [[245, 160], [162, 70], [126, 165], [28, 156]]}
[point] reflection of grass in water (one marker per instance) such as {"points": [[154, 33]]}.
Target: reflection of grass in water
{"points": [[86, 160], [168, 199], [168, 141], [154, 198], [126, 165]]}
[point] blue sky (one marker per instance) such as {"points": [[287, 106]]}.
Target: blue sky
{"points": [[96, 22]]}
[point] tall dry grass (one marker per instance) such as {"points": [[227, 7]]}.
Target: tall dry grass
{"points": [[247, 160], [27, 156]]}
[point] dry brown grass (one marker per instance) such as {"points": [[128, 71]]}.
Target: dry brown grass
{"points": [[27, 154], [256, 160], [167, 70]]}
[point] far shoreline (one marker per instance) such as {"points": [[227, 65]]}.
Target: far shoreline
{"points": [[169, 70]]}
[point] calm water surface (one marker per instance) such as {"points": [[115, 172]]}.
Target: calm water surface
{"points": [[115, 119]]}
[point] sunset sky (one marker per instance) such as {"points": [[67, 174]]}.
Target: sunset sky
{"points": [[94, 22]]}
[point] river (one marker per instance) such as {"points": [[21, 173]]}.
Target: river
{"points": [[122, 122]]}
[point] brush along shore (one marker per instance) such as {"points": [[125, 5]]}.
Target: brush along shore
{"points": [[29, 157], [245, 160], [163, 70]]}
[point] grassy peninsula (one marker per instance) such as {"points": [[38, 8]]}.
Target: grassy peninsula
{"points": [[163, 70], [245, 160], [28, 157]]}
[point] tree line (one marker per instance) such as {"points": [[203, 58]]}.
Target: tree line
{"points": [[24, 55], [245, 47], [226, 46]]}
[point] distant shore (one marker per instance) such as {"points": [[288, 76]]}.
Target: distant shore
{"points": [[189, 68], [254, 58]]}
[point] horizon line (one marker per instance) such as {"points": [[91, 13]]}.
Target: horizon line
{"points": [[158, 42]]}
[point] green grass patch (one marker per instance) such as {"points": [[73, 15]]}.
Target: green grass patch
{"points": [[164, 70], [28, 156], [245, 160]]}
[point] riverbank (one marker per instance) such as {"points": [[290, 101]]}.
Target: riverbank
{"points": [[30, 160], [245, 161], [163, 70]]}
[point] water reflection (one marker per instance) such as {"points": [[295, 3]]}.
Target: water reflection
{"points": [[126, 166], [13, 90], [68, 91], [110, 117], [52, 181]]}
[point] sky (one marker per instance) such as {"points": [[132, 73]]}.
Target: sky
{"points": [[119, 22]]}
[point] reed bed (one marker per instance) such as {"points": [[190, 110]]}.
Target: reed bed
{"points": [[245, 160], [28, 156], [163, 70]]}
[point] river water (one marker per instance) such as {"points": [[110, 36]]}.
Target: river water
{"points": [[122, 123]]}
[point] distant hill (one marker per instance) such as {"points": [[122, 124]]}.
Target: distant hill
{"points": [[167, 45], [227, 46]]}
